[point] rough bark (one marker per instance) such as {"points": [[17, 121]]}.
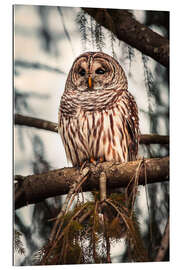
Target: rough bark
{"points": [[51, 126], [122, 24], [35, 188]]}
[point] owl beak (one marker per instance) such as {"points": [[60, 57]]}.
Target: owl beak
{"points": [[90, 82]]}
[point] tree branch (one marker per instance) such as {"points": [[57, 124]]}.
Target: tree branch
{"points": [[122, 24], [36, 65], [154, 139], [164, 245], [35, 122], [51, 126], [35, 188]]}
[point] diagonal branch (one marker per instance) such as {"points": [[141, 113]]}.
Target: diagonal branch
{"points": [[51, 126], [164, 244], [35, 188], [122, 24]]}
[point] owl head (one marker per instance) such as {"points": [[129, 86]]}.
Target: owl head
{"points": [[95, 71]]}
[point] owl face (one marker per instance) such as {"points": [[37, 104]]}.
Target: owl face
{"points": [[96, 71]]}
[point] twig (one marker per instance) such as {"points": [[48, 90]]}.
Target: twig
{"points": [[135, 186], [143, 255], [84, 172], [103, 195], [102, 184], [148, 206], [95, 214], [85, 215], [60, 235]]}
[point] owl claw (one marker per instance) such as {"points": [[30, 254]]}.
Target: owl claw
{"points": [[95, 162], [101, 159], [92, 160]]}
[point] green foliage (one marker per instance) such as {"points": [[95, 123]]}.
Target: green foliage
{"points": [[85, 233]]}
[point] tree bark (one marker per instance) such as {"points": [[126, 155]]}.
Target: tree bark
{"points": [[35, 188], [51, 126], [122, 24]]}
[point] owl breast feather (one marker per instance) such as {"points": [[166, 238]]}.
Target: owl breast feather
{"points": [[96, 127]]}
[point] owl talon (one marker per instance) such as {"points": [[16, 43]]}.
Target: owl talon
{"points": [[101, 159], [95, 162], [92, 160]]}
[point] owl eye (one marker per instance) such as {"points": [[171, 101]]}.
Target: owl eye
{"points": [[100, 71], [82, 72]]}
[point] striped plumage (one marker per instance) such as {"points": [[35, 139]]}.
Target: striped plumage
{"points": [[98, 117]]}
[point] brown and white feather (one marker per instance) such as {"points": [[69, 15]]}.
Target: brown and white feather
{"points": [[101, 122]]}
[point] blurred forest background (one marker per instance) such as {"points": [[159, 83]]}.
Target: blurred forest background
{"points": [[46, 42]]}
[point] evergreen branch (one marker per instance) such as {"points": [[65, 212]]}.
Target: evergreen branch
{"points": [[59, 238], [36, 188], [68, 200], [51, 126], [138, 246], [135, 34]]}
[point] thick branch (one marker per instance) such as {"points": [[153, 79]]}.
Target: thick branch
{"points": [[51, 126], [122, 24], [35, 188]]}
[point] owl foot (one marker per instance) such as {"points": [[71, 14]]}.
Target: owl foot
{"points": [[92, 160], [95, 162], [101, 159]]}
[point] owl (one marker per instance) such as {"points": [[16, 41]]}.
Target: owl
{"points": [[98, 117]]}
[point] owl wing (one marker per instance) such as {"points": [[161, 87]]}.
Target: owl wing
{"points": [[132, 140], [131, 127]]}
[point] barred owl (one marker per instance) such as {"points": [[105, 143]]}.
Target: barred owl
{"points": [[98, 117]]}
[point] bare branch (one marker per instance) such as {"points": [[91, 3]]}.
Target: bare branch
{"points": [[102, 186], [51, 126], [36, 65], [154, 139], [122, 24], [164, 245], [36, 188], [35, 122]]}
